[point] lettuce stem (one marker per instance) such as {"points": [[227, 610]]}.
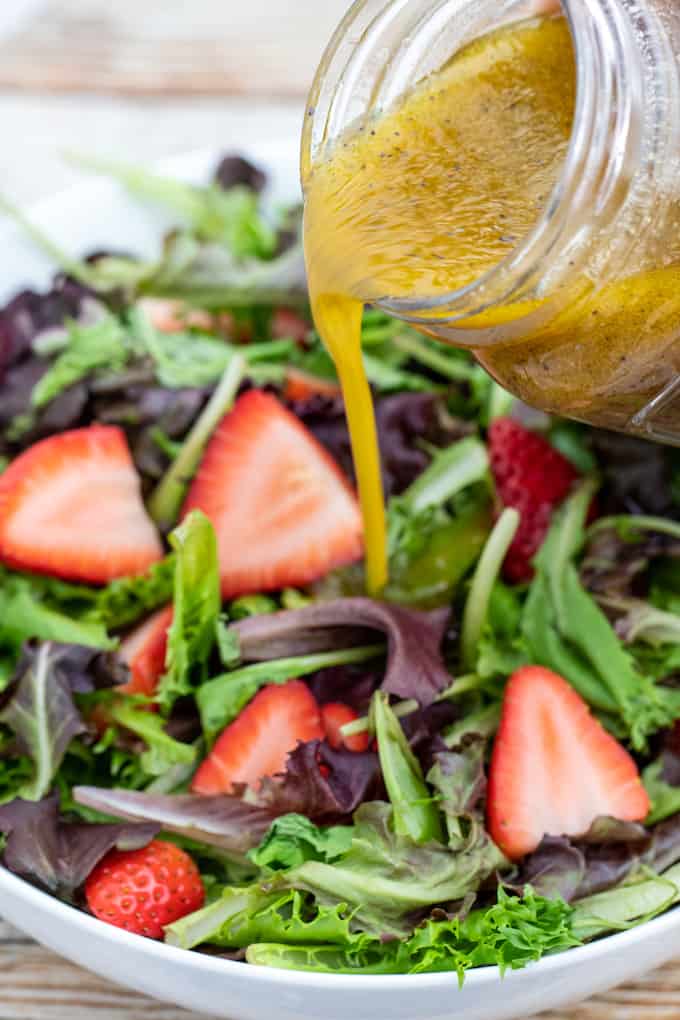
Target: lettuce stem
{"points": [[633, 522], [451, 470], [166, 500], [483, 580]]}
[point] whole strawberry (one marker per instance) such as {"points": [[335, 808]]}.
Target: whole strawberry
{"points": [[143, 890], [532, 476]]}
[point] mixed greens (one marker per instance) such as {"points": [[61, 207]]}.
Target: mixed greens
{"points": [[372, 849]]}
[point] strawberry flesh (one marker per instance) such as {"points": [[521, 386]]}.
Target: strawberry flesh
{"points": [[143, 651], [554, 768], [259, 741], [335, 715], [71, 507], [301, 386], [283, 512], [532, 476]]}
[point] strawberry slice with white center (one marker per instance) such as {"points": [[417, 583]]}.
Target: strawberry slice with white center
{"points": [[283, 512], [71, 506], [554, 768], [143, 651], [259, 741]]}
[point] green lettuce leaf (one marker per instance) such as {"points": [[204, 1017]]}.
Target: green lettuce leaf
{"points": [[16, 770], [385, 876], [242, 916], [415, 812], [626, 905], [197, 607], [32, 606], [125, 601], [512, 933], [460, 784], [182, 359], [221, 699], [197, 359], [432, 543], [210, 275], [252, 605], [166, 500], [37, 608], [564, 629], [664, 798], [103, 345], [501, 649], [212, 213], [293, 839], [163, 751]]}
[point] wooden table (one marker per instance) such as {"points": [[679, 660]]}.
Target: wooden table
{"points": [[142, 79]]}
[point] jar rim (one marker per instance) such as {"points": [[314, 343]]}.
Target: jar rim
{"points": [[605, 136]]}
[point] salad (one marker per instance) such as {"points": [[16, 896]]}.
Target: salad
{"points": [[210, 735]]}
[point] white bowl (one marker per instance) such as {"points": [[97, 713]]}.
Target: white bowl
{"points": [[99, 214], [222, 988]]}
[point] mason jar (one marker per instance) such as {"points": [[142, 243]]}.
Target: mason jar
{"points": [[582, 317]]}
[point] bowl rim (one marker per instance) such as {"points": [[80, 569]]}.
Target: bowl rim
{"points": [[478, 977], [267, 151]]}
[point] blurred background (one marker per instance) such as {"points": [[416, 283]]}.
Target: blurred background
{"points": [[143, 79]]}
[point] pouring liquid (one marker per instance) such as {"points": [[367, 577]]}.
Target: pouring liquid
{"points": [[426, 197]]}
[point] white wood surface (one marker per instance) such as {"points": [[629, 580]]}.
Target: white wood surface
{"points": [[264, 47]]}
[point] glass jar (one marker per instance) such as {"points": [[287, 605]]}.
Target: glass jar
{"points": [[582, 318]]}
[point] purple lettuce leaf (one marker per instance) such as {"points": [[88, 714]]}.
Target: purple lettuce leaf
{"points": [[423, 730], [353, 685], [324, 784], [38, 705], [600, 860], [405, 422], [459, 780], [234, 171], [144, 410], [556, 868], [415, 668], [30, 313], [222, 820], [617, 568], [637, 475], [58, 855]]}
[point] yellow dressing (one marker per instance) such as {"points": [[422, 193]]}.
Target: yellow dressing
{"points": [[338, 319]]}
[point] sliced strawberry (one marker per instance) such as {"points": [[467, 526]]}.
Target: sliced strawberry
{"points": [[71, 506], [335, 715], [288, 325], [532, 476], [301, 386], [554, 768], [259, 741], [283, 512], [143, 651], [169, 315]]}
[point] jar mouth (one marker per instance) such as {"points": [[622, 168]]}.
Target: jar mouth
{"points": [[373, 59], [584, 196]]}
